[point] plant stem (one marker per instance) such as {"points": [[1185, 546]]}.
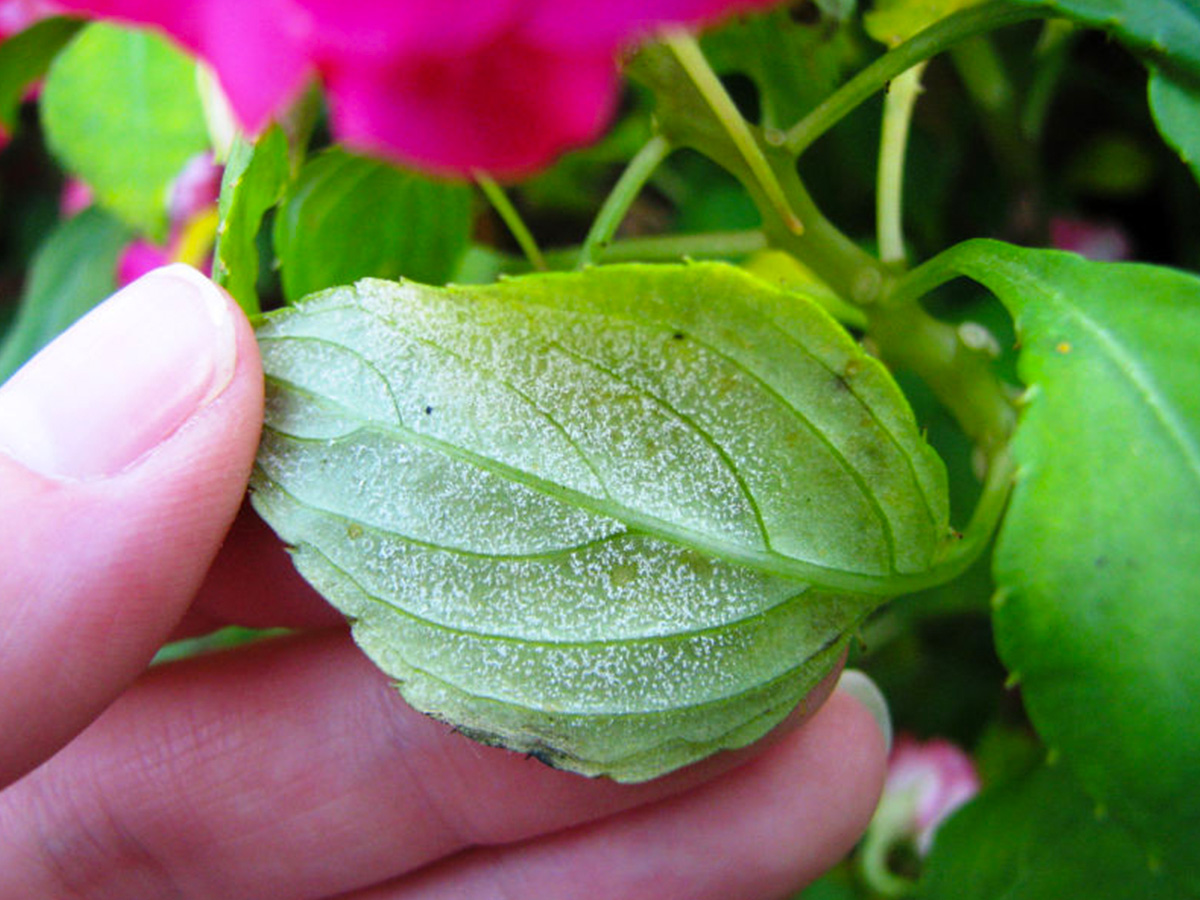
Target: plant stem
{"points": [[1053, 52], [897, 117], [852, 273], [671, 247], [623, 194], [987, 83], [508, 213], [930, 42], [960, 374], [692, 60]]}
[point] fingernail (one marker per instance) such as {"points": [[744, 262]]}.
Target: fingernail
{"points": [[121, 380], [860, 686]]}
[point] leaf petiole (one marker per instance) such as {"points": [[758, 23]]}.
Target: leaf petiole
{"points": [[929, 43], [692, 60], [665, 248], [623, 194], [897, 117], [511, 218]]}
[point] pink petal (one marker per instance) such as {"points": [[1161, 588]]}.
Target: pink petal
{"points": [[252, 45], [590, 25], [507, 109], [138, 258], [387, 29], [195, 188], [1094, 239], [178, 17], [935, 777], [17, 15], [76, 196]]}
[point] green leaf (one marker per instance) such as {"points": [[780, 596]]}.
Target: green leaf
{"points": [[1165, 30], [1097, 559], [24, 59], [794, 65], [73, 271], [254, 180], [1175, 105], [1039, 838], [349, 217], [619, 519], [893, 22], [121, 110]]}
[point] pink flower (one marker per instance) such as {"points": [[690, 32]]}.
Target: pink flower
{"points": [[926, 783], [194, 189], [1098, 240], [453, 85], [138, 258], [192, 207], [76, 196], [931, 780], [17, 15]]}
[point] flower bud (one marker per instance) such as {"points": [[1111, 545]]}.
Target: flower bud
{"points": [[926, 782]]}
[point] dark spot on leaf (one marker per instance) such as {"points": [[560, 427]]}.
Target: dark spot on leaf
{"points": [[1101, 562], [678, 336], [428, 410]]}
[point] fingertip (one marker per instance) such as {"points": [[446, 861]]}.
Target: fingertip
{"points": [[866, 692], [125, 448]]}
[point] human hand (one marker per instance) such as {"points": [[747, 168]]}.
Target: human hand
{"points": [[291, 768]]}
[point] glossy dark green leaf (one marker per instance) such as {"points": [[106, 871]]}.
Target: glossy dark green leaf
{"points": [[349, 217], [255, 178], [121, 110], [620, 519], [1175, 105], [73, 271], [24, 58], [1040, 838], [1167, 31], [1098, 561]]}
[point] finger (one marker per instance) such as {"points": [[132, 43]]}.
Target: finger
{"points": [[124, 451], [764, 830], [287, 769], [253, 583]]}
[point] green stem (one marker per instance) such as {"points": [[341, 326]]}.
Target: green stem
{"points": [[852, 273], [508, 213], [958, 371], [987, 83], [671, 247], [624, 192], [692, 60], [929, 43], [889, 197], [1054, 50]]}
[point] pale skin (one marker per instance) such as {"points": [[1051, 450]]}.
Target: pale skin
{"points": [[292, 768]]}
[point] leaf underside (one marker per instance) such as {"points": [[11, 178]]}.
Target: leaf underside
{"points": [[618, 519]]}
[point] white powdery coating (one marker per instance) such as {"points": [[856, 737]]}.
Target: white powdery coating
{"points": [[368, 478], [625, 586], [613, 677], [510, 394], [431, 454]]}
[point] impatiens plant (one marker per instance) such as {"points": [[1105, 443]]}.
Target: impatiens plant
{"points": [[619, 374]]}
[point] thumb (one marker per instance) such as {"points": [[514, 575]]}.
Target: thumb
{"points": [[125, 447]]}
